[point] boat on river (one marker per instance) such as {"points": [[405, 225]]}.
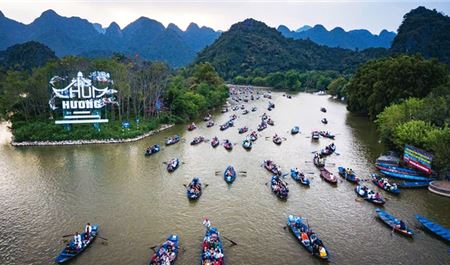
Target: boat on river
{"points": [[70, 251], [167, 251], [437, 229]]}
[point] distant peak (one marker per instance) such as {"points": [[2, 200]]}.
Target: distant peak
{"points": [[49, 13], [1, 14], [192, 26], [283, 28], [338, 29], [319, 27], [114, 26], [174, 27], [304, 28]]}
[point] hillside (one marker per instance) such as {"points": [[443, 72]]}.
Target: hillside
{"points": [[354, 39], [426, 32], [26, 56], [251, 46]]}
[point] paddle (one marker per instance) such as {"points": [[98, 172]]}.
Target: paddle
{"points": [[232, 242], [102, 238], [67, 235]]}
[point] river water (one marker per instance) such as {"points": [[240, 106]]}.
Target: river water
{"points": [[47, 192]]}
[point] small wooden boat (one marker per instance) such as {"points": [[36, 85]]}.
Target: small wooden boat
{"points": [[279, 187], [369, 195], [404, 176], [215, 142], [247, 144], [71, 251], [299, 177], [295, 130], [395, 224], [315, 135], [262, 126], [228, 145], [323, 109], [437, 229], [327, 135], [229, 175], [277, 139], [313, 244], [233, 117], [413, 184], [210, 124], [328, 176], [191, 127], [348, 175], [194, 189], [324, 121], [173, 140], [319, 161], [173, 164], [243, 130], [152, 150], [328, 150], [197, 140], [168, 250], [384, 184], [253, 136], [212, 241], [272, 167]]}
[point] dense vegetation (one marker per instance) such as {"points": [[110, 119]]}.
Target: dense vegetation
{"points": [[426, 32], [252, 49], [26, 56], [24, 96], [379, 83]]}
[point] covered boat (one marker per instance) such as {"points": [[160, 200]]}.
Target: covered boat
{"points": [[279, 187], [229, 175], [173, 140], [295, 130], [306, 237], [369, 195], [71, 250], [173, 164], [396, 225], [215, 142], [328, 176], [247, 144], [348, 174], [272, 167], [167, 253], [212, 248], [299, 177], [152, 150], [384, 184], [194, 189], [437, 229]]}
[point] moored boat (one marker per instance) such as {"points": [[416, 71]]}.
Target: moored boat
{"points": [[384, 184], [194, 189], [166, 253], [328, 176], [369, 195], [306, 237], [396, 169], [229, 175], [152, 150], [413, 184], [348, 174], [396, 225], [437, 229], [404, 176], [71, 250]]}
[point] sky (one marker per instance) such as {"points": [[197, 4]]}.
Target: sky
{"points": [[221, 14]]}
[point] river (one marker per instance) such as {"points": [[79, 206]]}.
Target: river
{"points": [[47, 192]]}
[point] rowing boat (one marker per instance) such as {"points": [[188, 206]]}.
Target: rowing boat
{"points": [[70, 251], [394, 223], [437, 229]]}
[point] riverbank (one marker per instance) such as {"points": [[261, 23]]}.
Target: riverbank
{"points": [[84, 142]]}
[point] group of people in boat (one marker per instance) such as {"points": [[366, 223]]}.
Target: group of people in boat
{"points": [[328, 150], [279, 186], [365, 192], [319, 160], [272, 167], [212, 250], [80, 240], [195, 187], [384, 184], [309, 239], [165, 255]]}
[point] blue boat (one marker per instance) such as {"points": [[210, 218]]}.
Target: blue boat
{"points": [[403, 176], [194, 189], [295, 130], [172, 165], [70, 252], [173, 140], [387, 167], [394, 223], [168, 249], [442, 232], [413, 184], [296, 224], [152, 150], [229, 175], [299, 177], [369, 195], [350, 176], [212, 240], [384, 184]]}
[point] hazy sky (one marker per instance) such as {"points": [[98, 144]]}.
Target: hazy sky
{"points": [[221, 14]]}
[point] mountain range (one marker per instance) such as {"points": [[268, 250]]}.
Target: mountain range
{"points": [[146, 38], [354, 39]]}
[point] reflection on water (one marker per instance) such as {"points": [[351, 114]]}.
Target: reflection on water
{"points": [[47, 192]]}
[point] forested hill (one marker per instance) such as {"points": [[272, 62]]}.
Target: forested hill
{"points": [[251, 48], [26, 56], [426, 32]]}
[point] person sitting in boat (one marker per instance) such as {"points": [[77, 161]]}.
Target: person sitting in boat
{"points": [[304, 238], [322, 252], [377, 196], [401, 225], [77, 241], [87, 232]]}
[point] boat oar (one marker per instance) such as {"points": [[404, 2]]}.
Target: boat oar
{"points": [[232, 242], [67, 235]]}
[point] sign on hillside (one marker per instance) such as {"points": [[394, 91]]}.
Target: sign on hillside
{"points": [[80, 100], [418, 158]]}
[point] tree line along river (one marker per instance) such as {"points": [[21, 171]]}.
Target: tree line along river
{"points": [[47, 192]]}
